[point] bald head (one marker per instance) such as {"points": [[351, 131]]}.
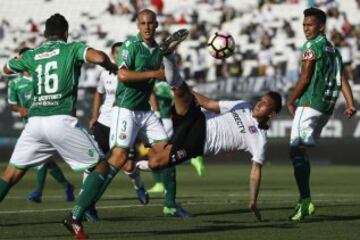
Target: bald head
{"points": [[146, 12], [147, 24]]}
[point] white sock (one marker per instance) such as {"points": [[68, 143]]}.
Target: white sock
{"points": [[143, 165], [172, 73]]}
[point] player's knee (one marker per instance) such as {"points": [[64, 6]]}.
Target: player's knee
{"points": [[297, 155], [13, 175], [156, 162], [103, 167], [118, 157], [128, 166]]}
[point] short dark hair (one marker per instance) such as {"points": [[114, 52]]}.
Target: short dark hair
{"points": [[277, 100], [115, 45], [318, 13], [24, 49], [56, 25]]}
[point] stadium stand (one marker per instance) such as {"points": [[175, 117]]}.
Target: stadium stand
{"points": [[262, 29]]}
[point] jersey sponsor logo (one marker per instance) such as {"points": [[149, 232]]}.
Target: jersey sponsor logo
{"points": [[330, 49], [308, 55], [180, 154], [46, 55], [252, 129], [238, 121]]}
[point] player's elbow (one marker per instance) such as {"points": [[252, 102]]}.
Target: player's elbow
{"points": [[6, 70]]}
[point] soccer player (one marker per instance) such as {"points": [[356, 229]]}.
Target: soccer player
{"points": [[100, 123], [237, 125], [52, 126], [19, 97], [312, 101], [139, 62]]}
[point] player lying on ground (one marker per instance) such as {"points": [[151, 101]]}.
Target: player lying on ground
{"points": [[236, 126]]}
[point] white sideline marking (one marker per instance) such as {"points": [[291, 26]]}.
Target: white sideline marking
{"points": [[267, 194], [160, 205]]}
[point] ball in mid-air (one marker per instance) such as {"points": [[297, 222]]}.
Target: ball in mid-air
{"points": [[221, 45]]}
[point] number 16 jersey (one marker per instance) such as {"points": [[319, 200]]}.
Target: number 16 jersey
{"points": [[55, 69]]}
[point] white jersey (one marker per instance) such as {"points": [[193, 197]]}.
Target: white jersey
{"points": [[235, 129], [107, 85]]}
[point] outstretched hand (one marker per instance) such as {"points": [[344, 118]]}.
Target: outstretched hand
{"points": [[350, 111], [256, 211]]}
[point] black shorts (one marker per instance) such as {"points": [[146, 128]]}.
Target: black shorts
{"points": [[189, 135], [101, 134]]}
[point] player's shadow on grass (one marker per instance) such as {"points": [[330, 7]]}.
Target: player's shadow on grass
{"points": [[203, 229], [19, 224], [224, 228], [331, 218], [227, 212]]}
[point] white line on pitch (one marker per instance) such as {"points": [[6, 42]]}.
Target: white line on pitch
{"points": [[159, 205]]}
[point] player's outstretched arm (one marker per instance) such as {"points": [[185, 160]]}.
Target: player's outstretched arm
{"points": [[100, 58], [125, 75], [207, 103], [304, 80], [347, 92], [254, 186]]}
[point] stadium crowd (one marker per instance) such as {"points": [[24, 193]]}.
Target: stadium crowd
{"points": [[268, 41]]}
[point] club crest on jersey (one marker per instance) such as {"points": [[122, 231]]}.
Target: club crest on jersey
{"points": [[122, 136], [91, 153], [308, 55]]}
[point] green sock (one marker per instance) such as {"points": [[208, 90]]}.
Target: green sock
{"points": [[91, 188], [111, 174], [40, 178], [4, 188], [157, 176], [58, 175], [302, 176], [169, 180]]}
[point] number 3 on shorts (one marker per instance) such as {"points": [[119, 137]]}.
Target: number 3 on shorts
{"points": [[123, 126]]}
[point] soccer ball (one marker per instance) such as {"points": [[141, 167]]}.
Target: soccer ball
{"points": [[221, 45]]}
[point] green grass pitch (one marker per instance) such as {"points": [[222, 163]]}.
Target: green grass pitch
{"points": [[218, 201]]}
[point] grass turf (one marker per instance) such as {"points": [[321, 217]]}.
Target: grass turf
{"points": [[218, 200]]}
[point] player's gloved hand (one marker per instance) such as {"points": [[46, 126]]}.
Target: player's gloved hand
{"points": [[252, 207], [350, 111]]}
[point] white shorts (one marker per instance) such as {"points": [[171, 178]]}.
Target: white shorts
{"points": [[168, 126], [307, 126], [126, 125], [44, 136]]}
